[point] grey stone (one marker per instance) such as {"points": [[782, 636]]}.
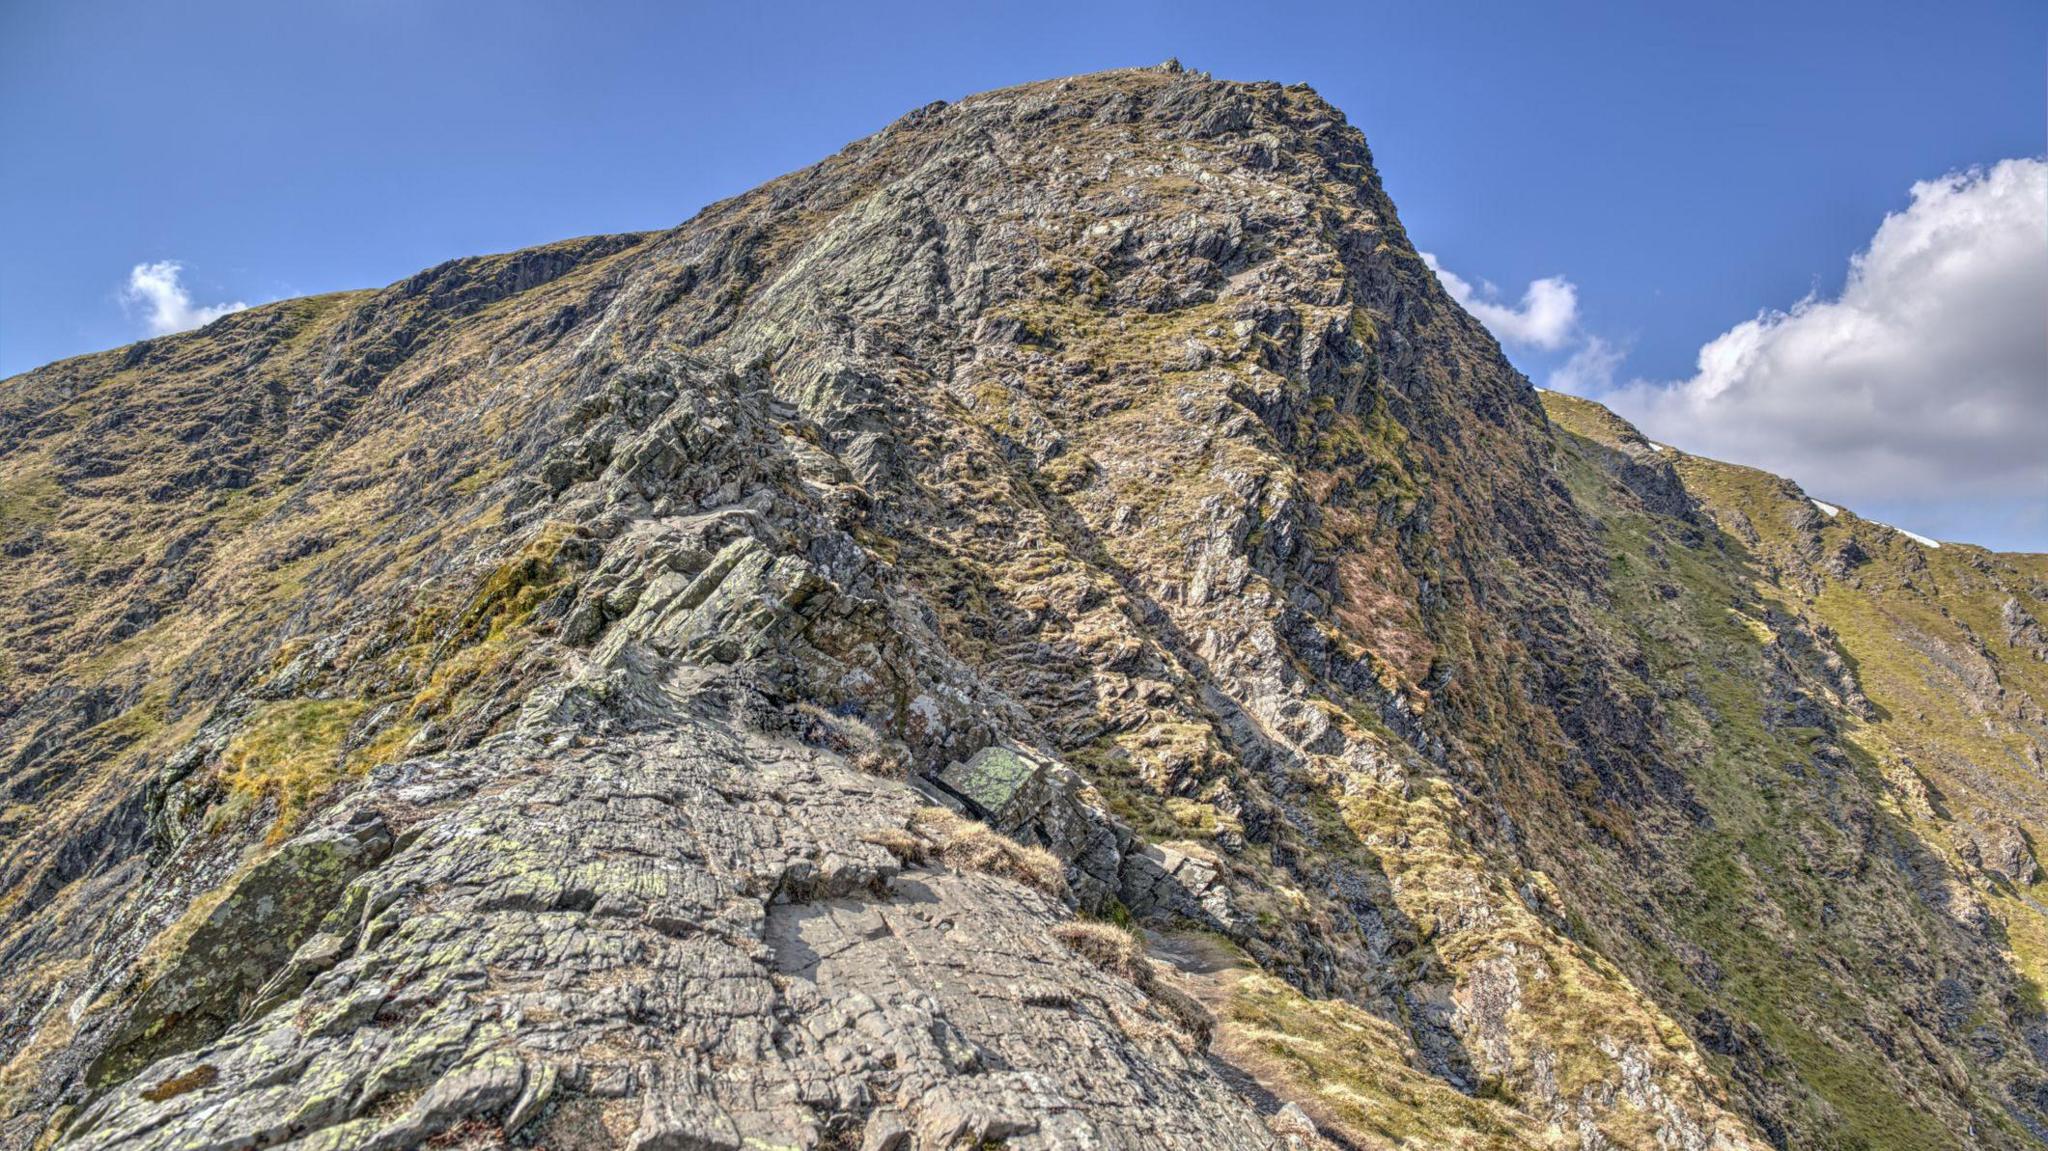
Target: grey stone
{"points": [[703, 898]]}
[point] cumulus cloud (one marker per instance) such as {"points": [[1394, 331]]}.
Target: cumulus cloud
{"points": [[1925, 379], [1546, 317], [1590, 369], [167, 307]]}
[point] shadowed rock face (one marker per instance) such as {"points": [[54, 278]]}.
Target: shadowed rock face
{"points": [[555, 700]]}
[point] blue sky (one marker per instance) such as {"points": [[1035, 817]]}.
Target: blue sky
{"points": [[1682, 167]]}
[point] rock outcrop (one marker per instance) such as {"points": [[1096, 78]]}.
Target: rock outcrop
{"points": [[690, 940]]}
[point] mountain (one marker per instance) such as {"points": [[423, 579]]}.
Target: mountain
{"points": [[1046, 629]]}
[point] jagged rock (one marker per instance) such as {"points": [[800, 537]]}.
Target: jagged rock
{"points": [[1039, 802], [1296, 1131], [1162, 881], [539, 954], [2022, 630], [232, 953], [1846, 558], [2001, 848]]}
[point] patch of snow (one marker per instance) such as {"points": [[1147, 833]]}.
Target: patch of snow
{"points": [[1828, 510], [1916, 537], [1657, 447], [1541, 388]]}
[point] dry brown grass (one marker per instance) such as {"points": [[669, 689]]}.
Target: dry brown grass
{"points": [[1108, 947], [203, 1075], [1119, 952], [850, 736], [968, 845], [910, 850]]}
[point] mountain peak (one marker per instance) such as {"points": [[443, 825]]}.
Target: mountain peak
{"points": [[1046, 627]]}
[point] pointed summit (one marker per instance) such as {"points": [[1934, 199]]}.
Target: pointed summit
{"points": [[1048, 627]]}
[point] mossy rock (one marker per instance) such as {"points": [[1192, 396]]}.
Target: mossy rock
{"points": [[268, 911]]}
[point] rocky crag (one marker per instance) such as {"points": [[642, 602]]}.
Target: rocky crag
{"points": [[1046, 629]]}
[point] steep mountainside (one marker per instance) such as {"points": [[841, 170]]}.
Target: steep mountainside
{"points": [[1046, 629]]}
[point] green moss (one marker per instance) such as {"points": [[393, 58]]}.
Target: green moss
{"points": [[511, 592], [290, 751]]}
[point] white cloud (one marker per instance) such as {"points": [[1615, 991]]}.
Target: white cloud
{"points": [[1548, 313], [1927, 378], [168, 305], [1589, 371]]}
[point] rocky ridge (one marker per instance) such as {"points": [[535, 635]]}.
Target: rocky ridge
{"points": [[680, 691]]}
